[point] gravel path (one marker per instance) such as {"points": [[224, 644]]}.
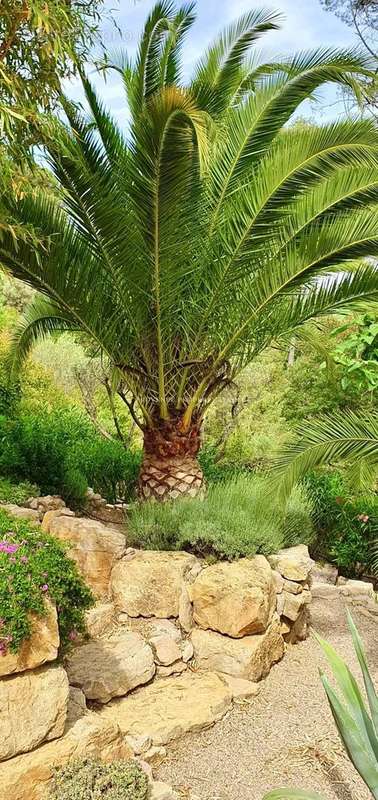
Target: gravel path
{"points": [[283, 737]]}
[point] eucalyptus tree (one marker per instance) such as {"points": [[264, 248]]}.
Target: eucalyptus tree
{"points": [[208, 229]]}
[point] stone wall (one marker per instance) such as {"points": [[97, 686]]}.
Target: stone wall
{"points": [[172, 642]]}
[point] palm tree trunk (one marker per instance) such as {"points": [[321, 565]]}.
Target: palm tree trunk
{"points": [[170, 468]]}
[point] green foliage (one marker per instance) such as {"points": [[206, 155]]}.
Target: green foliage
{"points": [[346, 525], [61, 451], [236, 518], [357, 354], [34, 566], [17, 492], [179, 234], [39, 43], [355, 534], [92, 780]]}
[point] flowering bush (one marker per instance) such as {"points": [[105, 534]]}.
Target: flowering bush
{"points": [[34, 566]]}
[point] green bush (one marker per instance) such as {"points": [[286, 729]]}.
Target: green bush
{"points": [[238, 518], [34, 566], [17, 493], [218, 471], [61, 451], [92, 780], [346, 525]]}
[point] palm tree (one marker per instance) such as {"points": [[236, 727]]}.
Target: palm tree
{"points": [[185, 246], [347, 437]]}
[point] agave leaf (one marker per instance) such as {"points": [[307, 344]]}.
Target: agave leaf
{"points": [[352, 695], [354, 739], [369, 686]]}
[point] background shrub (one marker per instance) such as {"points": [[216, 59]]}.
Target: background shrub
{"points": [[237, 518], [92, 780], [61, 452], [346, 526], [34, 566]]}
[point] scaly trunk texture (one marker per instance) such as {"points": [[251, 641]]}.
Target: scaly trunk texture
{"points": [[170, 468]]}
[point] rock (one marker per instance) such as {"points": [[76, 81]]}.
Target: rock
{"points": [[100, 619], [285, 626], [185, 610], [42, 646], [250, 658], [139, 744], [20, 512], [239, 687], [166, 710], [165, 650], [33, 709], [106, 668], [77, 706], [357, 589], [235, 598], [164, 627], [292, 605], [155, 754], [278, 581], [49, 516], [93, 546], [150, 584], [173, 669], [294, 563], [50, 502], [26, 777], [299, 629], [162, 791], [187, 651], [324, 590], [324, 573], [292, 587]]}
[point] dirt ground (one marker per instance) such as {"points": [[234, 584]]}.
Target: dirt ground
{"points": [[286, 735]]}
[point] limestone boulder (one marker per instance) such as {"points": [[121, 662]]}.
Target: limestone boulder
{"points": [[323, 591], [49, 516], [150, 583], [357, 589], [100, 619], [293, 603], [93, 546], [173, 669], [166, 710], [27, 777], [40, 647], [235, 598], [33, 709], [240, 688], [298, 631], [250, 658], [165, 649], [106, 668], [48, 502], [77, 706], [293, 563]]}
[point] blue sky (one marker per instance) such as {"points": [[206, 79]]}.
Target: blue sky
{"points": [[306, 25]]}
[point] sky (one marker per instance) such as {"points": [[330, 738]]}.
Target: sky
{"points": [[305, 25]]}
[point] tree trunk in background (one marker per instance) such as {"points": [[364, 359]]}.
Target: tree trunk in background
{"points": [[170, 468]]}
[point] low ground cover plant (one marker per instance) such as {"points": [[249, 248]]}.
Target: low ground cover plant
{"points": [[35, 567], [91, 780], [17, 493], [234, 519]]}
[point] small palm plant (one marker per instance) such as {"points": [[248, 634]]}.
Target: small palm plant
{"points": [[357, 726], [209, 229]]}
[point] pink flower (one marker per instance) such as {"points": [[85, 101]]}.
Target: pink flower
{"points": [[13, 559], [2, 622], [5, 547], [363, 518], [45, 587], [72, 635], [45, 574], [24, 559]]}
